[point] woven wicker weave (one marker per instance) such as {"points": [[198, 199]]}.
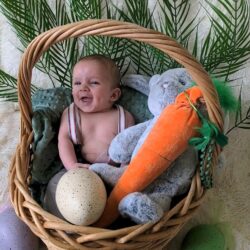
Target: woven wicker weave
{"points": [[58, 234]]}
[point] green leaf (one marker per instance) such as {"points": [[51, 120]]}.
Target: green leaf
{"points": [[142, 57], [137, 12], [242, 120], [8, 87], [112, 47], [175, 22], [86, 9], [29, 18], [226, 47]]}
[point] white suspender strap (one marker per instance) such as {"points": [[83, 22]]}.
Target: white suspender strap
{"points": [[78, 125], [74, 123], [121, 120]]}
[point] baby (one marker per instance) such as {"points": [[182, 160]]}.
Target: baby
{"points": [[93, 119]]}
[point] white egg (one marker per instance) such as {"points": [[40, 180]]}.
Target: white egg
{"points": [[81, 196]]}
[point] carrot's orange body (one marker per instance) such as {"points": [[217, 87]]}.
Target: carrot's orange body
{"points": [[167, 140]]}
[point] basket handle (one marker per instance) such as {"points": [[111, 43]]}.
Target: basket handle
{"points": [[116, 29]]}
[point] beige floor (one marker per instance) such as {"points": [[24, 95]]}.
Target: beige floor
{"points": [[229, 201], [9, 130]]}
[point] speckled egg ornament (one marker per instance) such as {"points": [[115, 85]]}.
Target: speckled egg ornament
{"points": [[81, 196]]}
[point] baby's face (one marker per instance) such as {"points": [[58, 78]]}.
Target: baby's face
{"points": [[92, 86]]}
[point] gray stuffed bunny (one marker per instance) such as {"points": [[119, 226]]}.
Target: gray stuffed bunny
{"points": [[150, 205]]}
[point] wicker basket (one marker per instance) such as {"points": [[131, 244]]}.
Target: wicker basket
{"points": [[58, 234]]}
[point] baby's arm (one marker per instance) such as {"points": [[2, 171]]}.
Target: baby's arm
{"points": [[65, 145]]}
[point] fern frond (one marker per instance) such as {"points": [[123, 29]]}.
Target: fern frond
{"points": [[229, 37], [8, 87], [29, 18], [242, 117], [112, 47], [137, 12], [144, 59], [86, 9], [175, 20]]}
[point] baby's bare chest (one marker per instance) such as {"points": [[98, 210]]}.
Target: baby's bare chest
{"points": [[100, 128]]}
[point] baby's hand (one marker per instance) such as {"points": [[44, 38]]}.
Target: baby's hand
{"points": [[81, 165]]}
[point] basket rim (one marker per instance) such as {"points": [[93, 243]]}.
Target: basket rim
{"points": [[27, 209]]}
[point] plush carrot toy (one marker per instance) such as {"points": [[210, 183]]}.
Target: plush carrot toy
{"points": [[167, 140]]}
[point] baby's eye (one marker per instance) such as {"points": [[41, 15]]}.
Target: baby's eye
{"points": [[94, 82], [77, 83]]}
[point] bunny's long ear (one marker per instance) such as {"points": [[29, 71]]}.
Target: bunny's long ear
{"points": [[142, 83], [137, 82]]}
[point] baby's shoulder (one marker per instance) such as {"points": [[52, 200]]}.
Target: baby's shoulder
{"points": [[64, 114], [68, 114], [129, 119], [67, 109]]}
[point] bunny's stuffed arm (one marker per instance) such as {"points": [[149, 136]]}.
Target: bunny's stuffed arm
{"points": [[123, 145], [120, 151]]}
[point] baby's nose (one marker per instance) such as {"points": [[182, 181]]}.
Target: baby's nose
{"points": [[85, 87]]}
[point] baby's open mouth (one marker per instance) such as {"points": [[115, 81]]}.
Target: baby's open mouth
{"points": [[85, 99]]}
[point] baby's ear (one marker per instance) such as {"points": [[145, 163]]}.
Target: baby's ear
{"points": [[116, 93]]}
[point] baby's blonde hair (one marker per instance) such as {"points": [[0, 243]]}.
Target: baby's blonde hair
{"points": [[106, 61]]}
